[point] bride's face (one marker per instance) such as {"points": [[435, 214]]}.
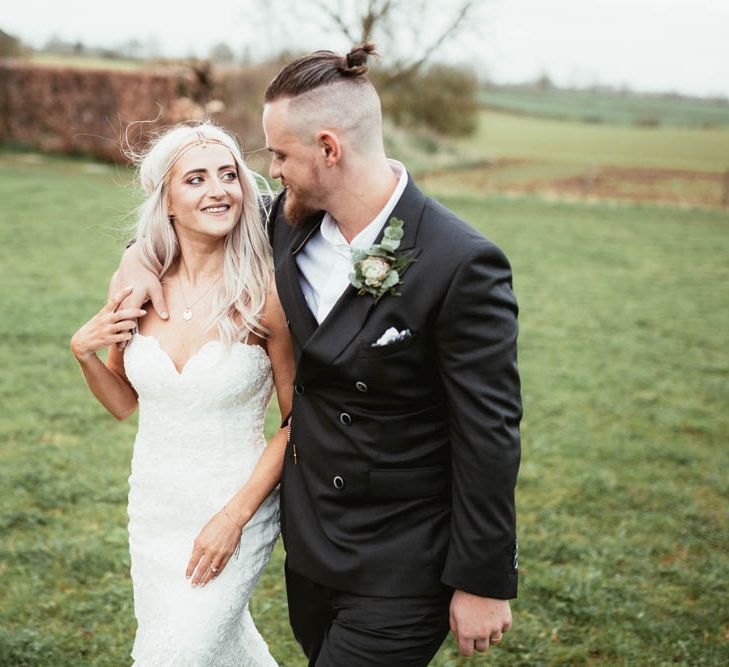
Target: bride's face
{"points": [[205, 195]]}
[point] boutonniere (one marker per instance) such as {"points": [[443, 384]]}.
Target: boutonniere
{"points": [[377, 269]]}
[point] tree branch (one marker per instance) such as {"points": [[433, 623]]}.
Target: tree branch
{"points": [[336, 17], [405, 71]]}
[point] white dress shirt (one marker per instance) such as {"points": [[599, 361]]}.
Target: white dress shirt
{"points": [[325, 262]]}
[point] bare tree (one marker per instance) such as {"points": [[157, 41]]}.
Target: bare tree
{"points": [[409, 32]]}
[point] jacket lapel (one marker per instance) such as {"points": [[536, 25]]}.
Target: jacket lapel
{"points": [[350, 313], [302, 322]]}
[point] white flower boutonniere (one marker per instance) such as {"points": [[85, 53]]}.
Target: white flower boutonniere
{"points": [[377, 269]]}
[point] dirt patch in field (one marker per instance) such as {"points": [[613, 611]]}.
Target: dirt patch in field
{"points": [[670, 186], [677, 187]]}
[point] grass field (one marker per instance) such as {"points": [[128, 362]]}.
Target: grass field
{"points": [[623, 493], [501, 134], [602, 107], [84, 61], [571, 159]]}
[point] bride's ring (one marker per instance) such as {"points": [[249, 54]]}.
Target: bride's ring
{"points": [[214, 569]]}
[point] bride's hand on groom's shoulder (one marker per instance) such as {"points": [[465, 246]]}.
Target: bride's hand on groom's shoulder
{"points": [[212, 549], [111, 325]]}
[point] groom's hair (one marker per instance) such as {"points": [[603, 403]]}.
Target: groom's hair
{"points": [[326, 89]]}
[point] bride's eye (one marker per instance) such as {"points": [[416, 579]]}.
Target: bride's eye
{"points": [[230, 175], [195, 180]]}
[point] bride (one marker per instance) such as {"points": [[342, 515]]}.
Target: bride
{"points": [[203, 509]]}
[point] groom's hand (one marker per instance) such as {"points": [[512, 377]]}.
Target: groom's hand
{"points": [[145, 283], [477, 622]]}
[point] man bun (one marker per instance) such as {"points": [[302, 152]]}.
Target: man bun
{"points": [[355, 62], [320, 68]]}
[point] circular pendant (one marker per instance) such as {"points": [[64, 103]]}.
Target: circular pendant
{"points": [[187, 315]]}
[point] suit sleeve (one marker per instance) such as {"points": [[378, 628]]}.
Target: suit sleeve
{"points": [[476, 338]]}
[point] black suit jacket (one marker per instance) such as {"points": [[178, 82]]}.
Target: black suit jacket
{"points": [[407, 454]]}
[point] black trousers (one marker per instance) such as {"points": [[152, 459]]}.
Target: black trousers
{"points": [[338, 629]]}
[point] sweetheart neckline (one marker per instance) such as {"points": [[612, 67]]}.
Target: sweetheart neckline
{"points": [[197, 352]]}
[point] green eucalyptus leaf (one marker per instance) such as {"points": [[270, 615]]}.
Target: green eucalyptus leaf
{"points": [[392, 279]]}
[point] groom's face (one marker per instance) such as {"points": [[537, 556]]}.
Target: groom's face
{"points": [[294, 163]]}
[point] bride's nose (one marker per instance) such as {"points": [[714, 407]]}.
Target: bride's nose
{"points": [[216, 188]]}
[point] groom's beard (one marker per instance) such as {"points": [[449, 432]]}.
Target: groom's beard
{"points": [[300, 205]]}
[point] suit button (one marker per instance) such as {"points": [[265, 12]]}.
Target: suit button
{"points": [[345, 419], [299, 389], [338, 482], [361, 386]]}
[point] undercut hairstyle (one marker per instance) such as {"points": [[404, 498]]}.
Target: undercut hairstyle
{"points": [[328, 90]]}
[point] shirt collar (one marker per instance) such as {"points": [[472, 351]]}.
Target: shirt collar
{"points": [[330, 230]]}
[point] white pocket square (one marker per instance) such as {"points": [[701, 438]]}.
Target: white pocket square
{"points": [[390, 336]]}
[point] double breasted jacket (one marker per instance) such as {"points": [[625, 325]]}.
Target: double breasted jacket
{"points": [[399, 476]]}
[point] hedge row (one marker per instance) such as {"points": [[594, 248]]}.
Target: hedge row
{"points": [[70, 110]]}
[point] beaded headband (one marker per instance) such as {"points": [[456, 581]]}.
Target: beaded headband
{"points": [[200, 141]]}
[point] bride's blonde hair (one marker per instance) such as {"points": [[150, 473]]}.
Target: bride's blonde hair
{"points": [[238, 302]]}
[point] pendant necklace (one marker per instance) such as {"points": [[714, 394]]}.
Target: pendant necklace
{"points": [[187, 314]]}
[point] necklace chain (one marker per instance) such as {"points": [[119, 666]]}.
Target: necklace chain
{"points": [[187, 314]]}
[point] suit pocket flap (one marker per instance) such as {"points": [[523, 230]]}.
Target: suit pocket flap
{"points": [[404, 483]]}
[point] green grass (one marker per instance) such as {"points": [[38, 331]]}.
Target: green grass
{"points": [[613, 108], [84, 62], [507, 135], [623, 519]]}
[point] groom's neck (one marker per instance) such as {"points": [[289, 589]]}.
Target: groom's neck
{"points": [[361, 193]]}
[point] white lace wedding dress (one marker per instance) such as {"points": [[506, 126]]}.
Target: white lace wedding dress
{"points": [[200, 435]]}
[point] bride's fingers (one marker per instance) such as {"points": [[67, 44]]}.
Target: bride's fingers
{"points": [[202, 568], [123, 325], [197, 554], [128, 314]]}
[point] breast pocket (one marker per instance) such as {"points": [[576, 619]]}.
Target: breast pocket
{"points": [[368, 350]]}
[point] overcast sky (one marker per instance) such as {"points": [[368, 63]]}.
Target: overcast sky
{"points": [[653, 45]]}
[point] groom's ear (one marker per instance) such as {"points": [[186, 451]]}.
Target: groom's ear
{"points": [[331, 149]]}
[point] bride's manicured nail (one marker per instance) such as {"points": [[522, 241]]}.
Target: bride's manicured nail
{"points": [[164, 314], [144, 312]]}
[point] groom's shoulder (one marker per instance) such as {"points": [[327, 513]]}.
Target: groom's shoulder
{"points": [[449, 233]]}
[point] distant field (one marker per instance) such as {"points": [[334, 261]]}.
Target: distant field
{"points": [[507, 135], [592, 107], [84, 62], [570, 159], [622, 497]]}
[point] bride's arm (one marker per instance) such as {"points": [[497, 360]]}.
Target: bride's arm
{"points": [[108, 382], [217, 541]]}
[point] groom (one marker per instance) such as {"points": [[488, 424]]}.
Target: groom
{"points": [[398, 487], [397, 491]]}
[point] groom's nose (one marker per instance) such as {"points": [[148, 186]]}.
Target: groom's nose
{"points": [[274, 171]]}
